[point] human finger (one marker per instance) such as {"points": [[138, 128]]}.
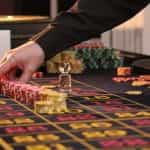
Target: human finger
{"points": [[26, 75], [11, 75], [6, 66]]}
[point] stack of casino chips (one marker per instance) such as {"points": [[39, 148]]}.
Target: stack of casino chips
{"points": [[44, 100], [22, 92], [124, 71]]}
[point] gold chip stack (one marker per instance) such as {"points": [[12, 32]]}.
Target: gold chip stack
{"points": [[51, 102]]}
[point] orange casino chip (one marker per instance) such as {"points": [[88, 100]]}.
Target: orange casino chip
{"points": [[145, 77], [140, 83], [124, 71]]}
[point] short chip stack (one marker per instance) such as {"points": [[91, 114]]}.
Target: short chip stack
{"points": [[51, 102], [124, 71], [44, 100]]}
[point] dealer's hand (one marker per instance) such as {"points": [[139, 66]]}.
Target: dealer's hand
{"points": [[27, 58]]}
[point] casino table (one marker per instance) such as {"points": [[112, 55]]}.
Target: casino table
{"points": [[101, 116], [104, 80]]}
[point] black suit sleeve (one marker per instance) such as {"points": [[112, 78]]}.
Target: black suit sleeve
{"points": [[91, 18]]}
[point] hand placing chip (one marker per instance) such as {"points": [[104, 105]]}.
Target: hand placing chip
{"points": [[27, 57]]}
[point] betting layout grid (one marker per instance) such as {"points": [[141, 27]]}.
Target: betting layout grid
{"points": [[94, 122], [103, 119]]}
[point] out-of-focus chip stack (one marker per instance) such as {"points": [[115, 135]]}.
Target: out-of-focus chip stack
{"points": [[44, 100], [124, 71]]}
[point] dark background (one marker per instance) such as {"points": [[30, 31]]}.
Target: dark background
{"points": [[31, 7]]}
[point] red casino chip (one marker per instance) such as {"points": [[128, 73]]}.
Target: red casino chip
{"points": [[124, 79], [6, 108], [37, 75], [119, 79], [15, 114], [12, 130], [37, 128]]}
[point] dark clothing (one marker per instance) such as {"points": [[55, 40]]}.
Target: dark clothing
{"points": [[90, 19]]}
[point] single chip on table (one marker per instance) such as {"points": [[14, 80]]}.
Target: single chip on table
{"points": [[48, 86], [59, 146], [132, 92], [120, 79], [48, 137], [38, 147], [143, 113], [93, 134], [24, 139], [78, 126], [101, 124], [140, 83], [23, 120], [5, 122], [145, 77], [102, 97], [2, 102], [113, 133]]}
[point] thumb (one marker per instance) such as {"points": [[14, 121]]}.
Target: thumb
{"points": [[26, 75], [6, 66]]}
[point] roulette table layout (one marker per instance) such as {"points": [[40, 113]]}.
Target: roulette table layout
{"points": [[97, 119]]}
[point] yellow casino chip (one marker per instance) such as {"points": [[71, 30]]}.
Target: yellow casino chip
{"points": [[2, 102], [102, 97], [5, 145], [79, 126], [113, 133], [48, 137], [136, 92], [61, 147], [101, 124], [145, 148], [93, 134], [143, 113], [139, 83], [5, 122], [76, 110], [24, 139], [23, 120], [125, 115], [88, 98], [48, 86], [38, 147]]}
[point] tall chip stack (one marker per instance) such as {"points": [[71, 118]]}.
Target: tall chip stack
{"points": [[44, 100]]}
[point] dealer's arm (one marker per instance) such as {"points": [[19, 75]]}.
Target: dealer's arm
{"points": [[88, 19]]}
